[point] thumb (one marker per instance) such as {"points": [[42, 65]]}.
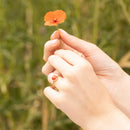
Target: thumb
{"points": [[94, 54], [76, 43]]}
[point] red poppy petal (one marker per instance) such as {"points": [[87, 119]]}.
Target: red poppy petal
{"points": [[49, 16], [57, 15], [50, 24], [60, 15]]}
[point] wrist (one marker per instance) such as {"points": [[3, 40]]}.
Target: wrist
{"points": [[110, 121]]}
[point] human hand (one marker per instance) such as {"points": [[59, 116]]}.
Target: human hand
{"points": [[107, 70], [79, 93]]}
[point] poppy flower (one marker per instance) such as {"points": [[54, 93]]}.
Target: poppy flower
{"points": [[53, 18]]}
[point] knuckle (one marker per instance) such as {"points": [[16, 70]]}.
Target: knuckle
{"points": [[46, 45], [51, 44], [84, 65], [59, 51], [66, 86], [50, 58], [70, 74], [87, 66]]}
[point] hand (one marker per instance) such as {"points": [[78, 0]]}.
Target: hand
{"points": [[79, 88], [80, 92], [107, 70]]}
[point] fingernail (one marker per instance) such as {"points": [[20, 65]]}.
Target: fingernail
{"points": [[63, 31]]}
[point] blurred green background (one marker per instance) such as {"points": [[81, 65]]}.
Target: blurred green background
{"points": [[22, 37]]}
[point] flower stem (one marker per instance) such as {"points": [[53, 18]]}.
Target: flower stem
{"points": [[57, 27]]}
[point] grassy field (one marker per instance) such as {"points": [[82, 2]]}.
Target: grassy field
{"points": [[22, 38]]}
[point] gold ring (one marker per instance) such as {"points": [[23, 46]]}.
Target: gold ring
{"points": [[54, 79]]}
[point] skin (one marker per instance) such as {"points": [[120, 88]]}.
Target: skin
{"points": [[79, 93], [107, 71]]}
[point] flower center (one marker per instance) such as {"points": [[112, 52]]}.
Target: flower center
{"points": [[55, 20]]}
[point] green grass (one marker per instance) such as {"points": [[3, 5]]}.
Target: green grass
{"points": [[22, 38]]}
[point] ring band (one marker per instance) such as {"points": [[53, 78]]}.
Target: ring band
{"points": [[54, 79]]}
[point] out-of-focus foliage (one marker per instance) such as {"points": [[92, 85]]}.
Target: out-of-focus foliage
{"points": [[22, 37]]}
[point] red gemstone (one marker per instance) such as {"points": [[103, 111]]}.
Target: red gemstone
{"points": [[53, 87], [54, 77]]}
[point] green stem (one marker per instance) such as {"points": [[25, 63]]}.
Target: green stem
{"points": [[57, 27]]}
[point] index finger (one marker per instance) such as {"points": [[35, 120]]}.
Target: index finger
{"points": [[59, 64], [49, 48]]}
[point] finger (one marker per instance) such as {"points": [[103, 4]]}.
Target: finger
{"points": [[56, 35], [53, 45], [76, 43], [59, 64], [47, 68], [66, 47], [57, 73], [49, 48], [70, 56], [51, 94], [58, 83]]}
